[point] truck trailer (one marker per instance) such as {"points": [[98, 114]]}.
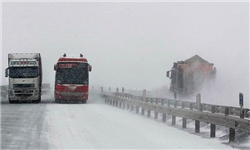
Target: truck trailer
{"points": [[25, 77], [188, 77]]}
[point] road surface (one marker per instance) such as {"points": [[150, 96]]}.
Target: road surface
{"points": [[94, 125]]}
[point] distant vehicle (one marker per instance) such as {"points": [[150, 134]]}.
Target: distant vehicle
{"points": [[72, 79], [25, 77], [188, 77]]}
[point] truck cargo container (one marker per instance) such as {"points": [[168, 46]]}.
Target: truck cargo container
{"points": [[188, 77]]}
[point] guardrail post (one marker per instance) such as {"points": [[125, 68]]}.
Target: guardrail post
{"points": [[198, 106], [122, 95], [156, 113], [164, 116], [242, 113], [241, 105], [231, 134], [105, 99], [226, 111], [132, 106], [122, 90], [149, 111], [117, 95], [110, 100], [120, 101], [212, 127], [123, 103], [129, 97], [174, 117], [137, 109], [231, 130], [143, 99], [184, 120]]}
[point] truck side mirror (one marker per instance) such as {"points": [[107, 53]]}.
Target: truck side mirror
{"points": [[167, 74], [6, 72], [54, 66], [90, 68]]}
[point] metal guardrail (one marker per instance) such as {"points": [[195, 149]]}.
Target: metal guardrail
{"points": [[232, 117], [234, 111]]}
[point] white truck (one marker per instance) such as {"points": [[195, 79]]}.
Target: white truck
{"points": [[25, 77]]}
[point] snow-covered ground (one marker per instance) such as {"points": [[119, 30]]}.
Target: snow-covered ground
{"points": [[101, 126], [96, 125]]}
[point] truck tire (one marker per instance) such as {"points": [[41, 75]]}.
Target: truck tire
{"points": [[39, 99], [11, 101], [35, 101], [40, 95]]}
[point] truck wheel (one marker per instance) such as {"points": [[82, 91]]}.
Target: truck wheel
{"points": [[84, 101], [11, 102], [39, 100], [35, 101], [40, 95]]}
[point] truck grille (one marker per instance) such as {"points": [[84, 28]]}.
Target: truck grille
{"points": [[24, 91], [23, 85], [23, 95]]}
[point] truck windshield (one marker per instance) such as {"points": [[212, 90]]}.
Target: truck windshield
{"points": [[72, 73], [23, 72]]}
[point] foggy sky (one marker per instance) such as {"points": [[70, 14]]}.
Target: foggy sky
{"points": [[133, 44]]}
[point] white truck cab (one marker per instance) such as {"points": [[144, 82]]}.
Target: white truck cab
{"points": [[25, 77]]}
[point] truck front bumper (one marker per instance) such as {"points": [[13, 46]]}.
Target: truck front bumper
{"points": [[23, 95], [71, 96]]}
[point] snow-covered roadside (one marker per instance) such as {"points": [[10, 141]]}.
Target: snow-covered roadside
{"points": [[100, 126]]}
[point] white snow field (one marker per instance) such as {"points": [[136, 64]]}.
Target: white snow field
{"points": [[96, 125]]}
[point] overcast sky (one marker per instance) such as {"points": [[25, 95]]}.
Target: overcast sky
{"points": [[132, 44]]}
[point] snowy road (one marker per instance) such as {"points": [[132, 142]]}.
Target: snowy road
{"points": [[94, 125]]}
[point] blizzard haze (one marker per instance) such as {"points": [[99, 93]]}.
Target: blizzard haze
{"points": [[133, 44]]}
